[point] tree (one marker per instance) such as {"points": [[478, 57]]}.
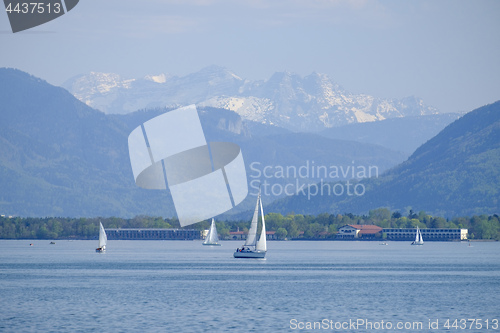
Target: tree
{"points": [[402, 222], [223, 233], [380, 214], [314, 230], [281, 233], [438, 222], [275, 220], [292, 231], [413, 223], [396, 215], [412, 215], [486, 229]]}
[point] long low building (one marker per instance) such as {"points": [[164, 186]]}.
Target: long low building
{"points": [[429, 234], [158, 234], [366, 232]]}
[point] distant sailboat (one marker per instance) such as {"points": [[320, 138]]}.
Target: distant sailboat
{"points": [[418, 238], [254, 248], [212, 237], [103, 239]]}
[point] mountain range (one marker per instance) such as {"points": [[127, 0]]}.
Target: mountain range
{"points": [[301, 104], [60, 157]]}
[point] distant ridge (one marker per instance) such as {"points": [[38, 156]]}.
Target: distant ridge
{"points": [[403, 134]]}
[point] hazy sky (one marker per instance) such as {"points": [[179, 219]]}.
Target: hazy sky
{"points": [[447, 52]]}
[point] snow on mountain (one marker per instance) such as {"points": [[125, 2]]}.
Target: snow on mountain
{"points": [[287, 100], [249, 108], [162, 78]]}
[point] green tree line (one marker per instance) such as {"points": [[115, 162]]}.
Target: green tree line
{"points": [[73, 228], [291, 226]]}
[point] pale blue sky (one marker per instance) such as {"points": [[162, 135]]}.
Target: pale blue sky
{"points": [[447, 52]]}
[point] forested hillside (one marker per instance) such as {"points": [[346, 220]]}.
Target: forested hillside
{"points": [[455, 173]]}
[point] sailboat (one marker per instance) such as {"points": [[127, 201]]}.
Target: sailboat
{"points": [[418, 238], [212, 237], [103, 239], [254, 248]]}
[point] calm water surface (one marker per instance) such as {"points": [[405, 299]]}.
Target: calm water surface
{"points": [[182, 286]]}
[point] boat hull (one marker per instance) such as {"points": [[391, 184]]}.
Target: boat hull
{"points": [[417, 243], [100, 250], [250, 254], [212, 244]]}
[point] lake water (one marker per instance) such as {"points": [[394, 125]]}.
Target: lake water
{"points": [[182, 286]]}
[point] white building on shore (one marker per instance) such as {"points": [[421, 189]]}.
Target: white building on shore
{"points": [[429, 234]]}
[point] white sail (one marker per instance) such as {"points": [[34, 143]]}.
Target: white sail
{"points": [[418, 238], [262, 243], [252, 233], [103, 239], [212, 237], [260, 247]]}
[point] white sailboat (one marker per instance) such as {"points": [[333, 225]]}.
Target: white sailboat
{"points": [[103, 239], [418, 238], [212, 237], [254, 248]]}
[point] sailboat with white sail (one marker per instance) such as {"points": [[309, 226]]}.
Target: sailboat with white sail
{"points": [[254, 248], [103, 239], [212, 237], [418, 238]]}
